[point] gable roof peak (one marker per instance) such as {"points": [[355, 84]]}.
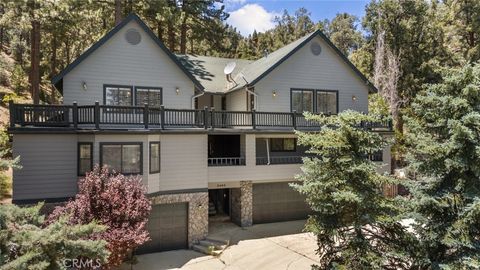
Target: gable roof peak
{"points": [[131, 17]]}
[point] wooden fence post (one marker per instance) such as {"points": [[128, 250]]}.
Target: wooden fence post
{"points": [[75, 114], [212, 118], [294, 119], [96, 114], [11, 108], [254, 124], [145, 115], [162, 116], [205, 117]]}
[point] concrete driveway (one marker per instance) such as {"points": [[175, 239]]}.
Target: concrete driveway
{"points": [[265, 246]]}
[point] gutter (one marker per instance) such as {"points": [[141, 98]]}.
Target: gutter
{"points": [[256, 97], [196, 96]]}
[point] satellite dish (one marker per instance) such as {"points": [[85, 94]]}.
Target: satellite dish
{"points": [[229, 67]]}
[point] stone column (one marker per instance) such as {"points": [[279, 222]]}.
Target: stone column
{"points": [[246, 202]]}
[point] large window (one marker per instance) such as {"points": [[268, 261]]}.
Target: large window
{"points": [[302, 100], [154, 157], [118, 95], [148, 95], [125, 158], [305, 100], [327, 102], [283, 144], [85, 160]]}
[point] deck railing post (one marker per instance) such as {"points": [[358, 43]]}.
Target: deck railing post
{"points": [[11, 108], [75, 114], [162, 116], [294, 119], [205, 117], [96, 115], [254, 124], [212, 118], [145, 115]]}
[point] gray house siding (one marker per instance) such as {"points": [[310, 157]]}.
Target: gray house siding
{"points": [[120, 63], [49, 166], [326, 71]]}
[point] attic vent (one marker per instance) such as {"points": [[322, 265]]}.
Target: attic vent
{"points": [[133, 36], [315, 48]]}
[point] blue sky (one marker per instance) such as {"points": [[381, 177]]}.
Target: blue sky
{"points": [[248, 15]]}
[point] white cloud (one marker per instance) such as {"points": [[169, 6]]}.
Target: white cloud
{"points": [[252, 17], [233, 2]]}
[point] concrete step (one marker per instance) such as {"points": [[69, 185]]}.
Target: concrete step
{"points": [[218, 241], [204, 250], [216, 245]]}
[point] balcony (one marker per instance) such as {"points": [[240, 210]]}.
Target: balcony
{"points": [[97, 117], [226, 161], [279, 160]]}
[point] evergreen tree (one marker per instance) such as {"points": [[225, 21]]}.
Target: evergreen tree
{"points": [[344, 34], [443, 146], [356, 226], [25, 243]]}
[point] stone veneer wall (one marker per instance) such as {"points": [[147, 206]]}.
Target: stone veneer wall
{"points": [[246, 203], [235, 206], [197, 212]]}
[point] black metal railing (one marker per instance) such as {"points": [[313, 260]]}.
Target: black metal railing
{"points": [[279, 160], [106, 116], [226, 161]]}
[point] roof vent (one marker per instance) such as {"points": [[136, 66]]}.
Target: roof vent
{"points": [[133, 36], [315, 48]]}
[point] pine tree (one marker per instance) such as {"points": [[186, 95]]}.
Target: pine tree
{"points": [[356, 226], [26, 243], [443, 142]]}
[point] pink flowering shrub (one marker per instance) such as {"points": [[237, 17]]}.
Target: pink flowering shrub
{"points": [[114, 200]]}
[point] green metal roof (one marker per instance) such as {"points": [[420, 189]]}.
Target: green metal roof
{"points": [[209, 70]]}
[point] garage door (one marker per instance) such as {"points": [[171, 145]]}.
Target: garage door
{"points": [[168, 228], [274, 202]]}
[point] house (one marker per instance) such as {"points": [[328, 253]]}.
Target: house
{"points": [[209, 136]]}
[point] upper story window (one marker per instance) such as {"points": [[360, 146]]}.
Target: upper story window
{"points": [[154, 157], [283, 145], [85, 157], [327, 102], [125, 158], [118, 95], [318, 101], [302, 100], [148, 95]]}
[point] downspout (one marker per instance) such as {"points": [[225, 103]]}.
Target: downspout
{"points": [[256, 97], [196, 96], [268, 151]]}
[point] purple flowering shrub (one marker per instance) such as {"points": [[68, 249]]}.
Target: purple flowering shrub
{"points": [[113, 200]]}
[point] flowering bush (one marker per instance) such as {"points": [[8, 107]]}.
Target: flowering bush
{"points": [[116, 201]]}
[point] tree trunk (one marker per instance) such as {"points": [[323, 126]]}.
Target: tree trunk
{"points": [[35, 62], [118, 11], [171, 35], [1, 39], [160, 30], [53, 65], [67, 51], [183, 28]]}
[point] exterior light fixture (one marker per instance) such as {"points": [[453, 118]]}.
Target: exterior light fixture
{"points": [[85, 86], [354, 98], [177, 90], [274, 93]]}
